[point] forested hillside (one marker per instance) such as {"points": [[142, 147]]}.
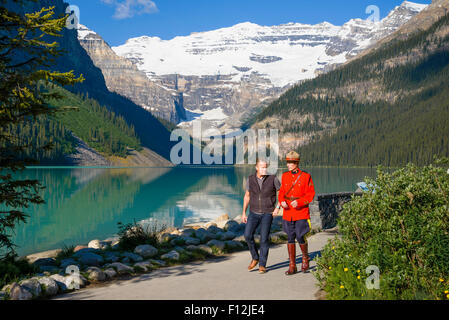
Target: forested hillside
{"points": [[99, 127], [388, 107]]}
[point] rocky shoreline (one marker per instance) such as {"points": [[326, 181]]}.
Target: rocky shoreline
{"points": [[103, 260]]}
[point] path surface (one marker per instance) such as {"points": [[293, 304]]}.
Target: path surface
{"points": [[225, 278]]}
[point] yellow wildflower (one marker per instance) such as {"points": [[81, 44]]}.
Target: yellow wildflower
{"points": [[358, 277], [346, 269], [441, 280], [358, 271], [342, 287]]}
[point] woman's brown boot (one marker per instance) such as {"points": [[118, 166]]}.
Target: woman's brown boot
{"points": [[292, 257]]}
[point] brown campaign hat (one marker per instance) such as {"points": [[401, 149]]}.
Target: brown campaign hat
{"points": [[292, 156]]}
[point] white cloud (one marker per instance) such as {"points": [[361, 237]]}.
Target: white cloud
{"points": [[129, 8]]}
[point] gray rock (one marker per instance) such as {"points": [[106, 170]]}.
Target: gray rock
{"points": [[110, 273], [146, 251], [240, 238], [75, 281], [205, 248], [91, 259], [145, 265], [173, 255], [50, 269], [214, 229], [228, 235], [132, 256], [192, 247], [17, 292], [188, 232], [3, 295], [231, 244], [231, 224], [191, 240], [158, 262], [121, 268], [177, 241], [111, 257], [82, 251], [216, 243], [179, 249], [45, 262], [60, 281], [69, 262], [97, 244], [95, 274], [32, 285], [49, 286], [203, 235]]}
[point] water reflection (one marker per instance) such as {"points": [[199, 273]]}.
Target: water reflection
{"points": [[86, 203]]}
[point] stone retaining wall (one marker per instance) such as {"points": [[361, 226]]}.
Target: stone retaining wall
{"points": [[325, 208]]}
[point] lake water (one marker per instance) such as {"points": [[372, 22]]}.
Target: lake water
{"points": [[85, 203]]}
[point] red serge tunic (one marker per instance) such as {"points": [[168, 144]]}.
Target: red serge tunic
{"points": [[303, 189]]}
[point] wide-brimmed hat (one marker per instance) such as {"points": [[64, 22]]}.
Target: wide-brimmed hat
{"points": [[292, 156]]}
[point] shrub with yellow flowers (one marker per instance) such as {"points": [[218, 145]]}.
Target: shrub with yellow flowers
{"points": [[400, 225]]}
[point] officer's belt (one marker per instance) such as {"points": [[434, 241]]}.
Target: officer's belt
{"points": [[291, 198]]}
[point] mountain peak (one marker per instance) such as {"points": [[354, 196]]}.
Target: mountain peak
{"points": [[413, 6]]}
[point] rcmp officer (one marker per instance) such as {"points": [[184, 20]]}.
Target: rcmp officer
{"points": [[296, 192]]}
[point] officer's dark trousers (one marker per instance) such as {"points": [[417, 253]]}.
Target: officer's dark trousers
{"points": [[296, 229], [254, 220]]}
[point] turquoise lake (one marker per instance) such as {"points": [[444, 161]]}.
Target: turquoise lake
{"points": [[85, 203]]}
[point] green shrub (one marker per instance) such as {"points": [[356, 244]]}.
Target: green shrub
{"points": [[401, 225], [134, 234], [12, 270]]}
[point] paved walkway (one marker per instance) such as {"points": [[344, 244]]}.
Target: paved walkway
{"points": [[225, 278]]}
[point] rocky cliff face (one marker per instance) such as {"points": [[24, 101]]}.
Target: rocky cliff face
{"points": [[224, 74], [123, 77]]}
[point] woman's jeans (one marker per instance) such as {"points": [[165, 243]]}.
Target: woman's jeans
{"points": [[252, 223]]}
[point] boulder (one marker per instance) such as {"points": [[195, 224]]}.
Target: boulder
{"points": [[44, 262], [205, 248], [231, 244], [223, 217], [191, 240], [91, 259], [32, 285], [192, 247], [120, 267], [158, 262], [172, 255], [60, 281], [214, 229], [97, 244], [188, 232], [75, 281], [43, 255], [177, 241], [203, 235], [230, 225], [111, 257], [17, 292], [110, 273], [228, 235], [132, 256], [79, 247], [145, 265], [209, 224], [95, 274], [68, 262], [146, 250], [216, 243], [49, 286]]}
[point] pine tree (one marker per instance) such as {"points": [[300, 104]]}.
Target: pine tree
{"points": [[25, 60]]}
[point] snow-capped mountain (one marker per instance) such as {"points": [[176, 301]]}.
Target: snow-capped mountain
{"points": [[222, 75], [283, 54]]}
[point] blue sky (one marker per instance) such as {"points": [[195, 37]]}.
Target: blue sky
{"points": [[118, 20]]}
